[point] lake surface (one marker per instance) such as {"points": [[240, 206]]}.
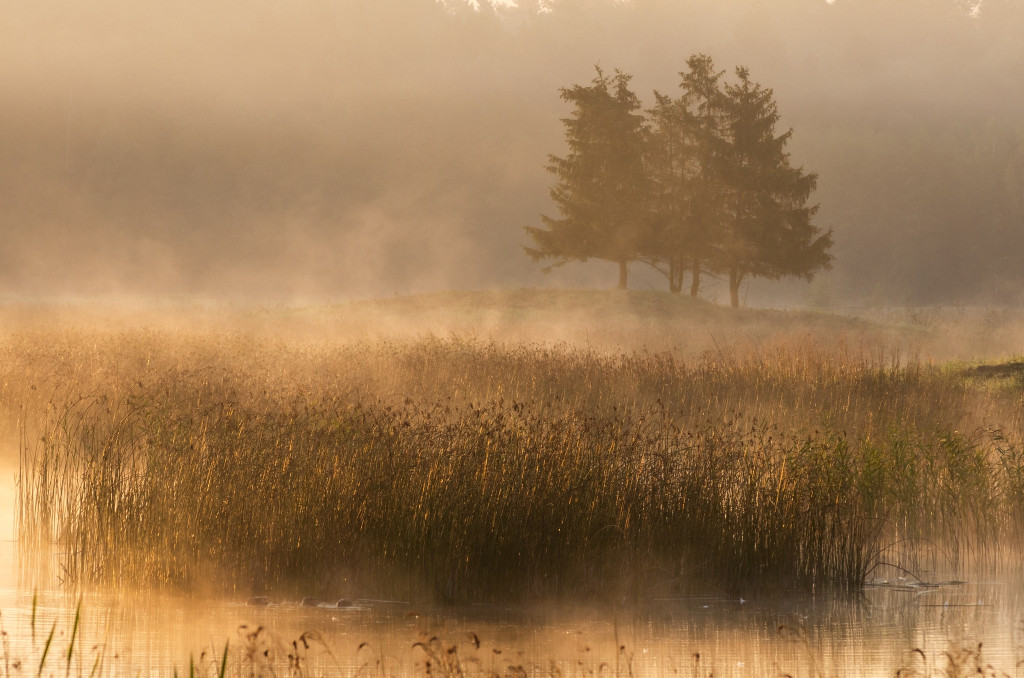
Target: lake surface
{"points": [[872, 634], [895, 623]]}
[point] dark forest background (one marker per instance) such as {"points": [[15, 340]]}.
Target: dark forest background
{"points": [[337, 148]]}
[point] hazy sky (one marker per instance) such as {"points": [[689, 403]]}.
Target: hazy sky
{"points": [[334, 149]]}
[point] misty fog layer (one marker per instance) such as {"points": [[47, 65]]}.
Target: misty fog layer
{"points": [[339, 149]]}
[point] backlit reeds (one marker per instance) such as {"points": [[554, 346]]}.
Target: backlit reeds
{"points": [[471, 470]]}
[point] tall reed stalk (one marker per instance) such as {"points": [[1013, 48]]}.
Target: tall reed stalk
{"points": [[476, 470]]}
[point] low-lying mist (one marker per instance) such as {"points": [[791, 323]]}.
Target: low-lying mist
{"points": [[648, 446], [275, 150]]}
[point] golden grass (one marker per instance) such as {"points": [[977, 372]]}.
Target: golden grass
{"points": [[256, 450], [470, 469]]}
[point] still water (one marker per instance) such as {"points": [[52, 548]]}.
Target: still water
{"points": [[891, 626], [894, 624]]}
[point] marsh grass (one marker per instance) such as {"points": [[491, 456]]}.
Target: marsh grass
{"points": [[467, 470], [26, 653]]}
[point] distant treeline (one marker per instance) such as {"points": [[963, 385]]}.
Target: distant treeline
{"points": [[704, 183]]}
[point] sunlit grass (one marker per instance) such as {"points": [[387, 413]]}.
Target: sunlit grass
{"points": [[467, 470]]}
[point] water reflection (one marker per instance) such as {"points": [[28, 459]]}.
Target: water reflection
{"points": [[890, 626], [896, 622]]}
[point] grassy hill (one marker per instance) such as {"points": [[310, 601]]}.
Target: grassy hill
{"points": [[612, 320]]}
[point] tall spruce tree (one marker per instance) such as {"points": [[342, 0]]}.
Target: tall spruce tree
{"points": [[673, 167], [767, 230], [704, 99], [601, 188]]}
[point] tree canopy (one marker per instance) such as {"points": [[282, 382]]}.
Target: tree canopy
{"points": [[767, 230], [601, 184], [365, 148], [704, 183]]}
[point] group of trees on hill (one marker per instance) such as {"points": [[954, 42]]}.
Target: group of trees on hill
{"points": [[324, 148], [701, 184]]}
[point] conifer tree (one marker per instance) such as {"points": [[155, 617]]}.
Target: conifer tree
{"points": [[704, 99], [767, 230], [601, 186], [673, 167], [686, 156]]}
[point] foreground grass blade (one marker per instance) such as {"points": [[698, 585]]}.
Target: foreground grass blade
{"points": [[224, 661], [46, 649], [74, 635]]}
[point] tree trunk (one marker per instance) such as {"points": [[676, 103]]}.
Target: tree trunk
{"points": [[675, 275], [695, 285], [622, 274], [735, 278]]}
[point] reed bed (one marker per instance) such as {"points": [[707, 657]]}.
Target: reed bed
{"points": [[467, 470]]}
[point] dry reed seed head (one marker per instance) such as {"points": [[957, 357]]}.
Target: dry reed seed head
{"points": [[557, 453]]}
